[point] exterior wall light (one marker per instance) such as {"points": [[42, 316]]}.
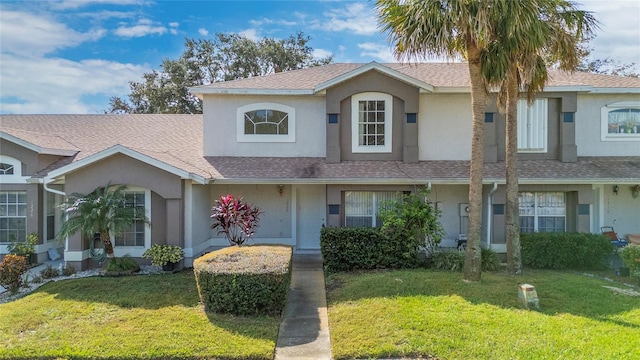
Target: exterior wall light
{"points": [[616, 188]]}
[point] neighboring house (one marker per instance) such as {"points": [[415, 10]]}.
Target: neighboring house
{"points": [[325, 146]]}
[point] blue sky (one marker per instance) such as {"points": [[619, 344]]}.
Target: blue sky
{"points": [[71, 56]]}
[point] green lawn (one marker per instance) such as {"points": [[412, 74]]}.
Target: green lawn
{"points": [[136, 317], [424, 313]]}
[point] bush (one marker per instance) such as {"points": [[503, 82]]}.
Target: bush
{"points": [[490, 260], [236, 219], [26, 248], [162, 255], [68, 270], [448, 260], [631, 258], [11, 269], [49, 272], [576, 251], [123, 264], [248, 280], [350, 248]]}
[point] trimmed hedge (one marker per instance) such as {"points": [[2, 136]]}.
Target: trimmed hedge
{"points": [[247, 280], [576, 251], [351, 248]]}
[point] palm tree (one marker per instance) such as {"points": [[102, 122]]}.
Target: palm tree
{"points": [[535, 32], [102, 211], [453, 28]]}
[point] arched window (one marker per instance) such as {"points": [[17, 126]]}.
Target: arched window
{"points": [[6, 169], [266, 122], [621, 121]]}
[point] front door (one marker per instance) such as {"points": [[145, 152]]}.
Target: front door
{"points": [[311, 213]]}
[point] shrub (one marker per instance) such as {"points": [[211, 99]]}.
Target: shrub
{"points": [[49, 272], [577, 251], [68, 270], [448, 260], [350, 248], [161, 255], [631, 258], [123, 264], [11, 269], [490, 260], [234, 218], [248, 280], [26, 248]]}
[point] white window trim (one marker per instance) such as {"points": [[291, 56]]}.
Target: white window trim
{"points": [[545, 125], [604, 121], [536, 210], [291, 131], [388, 116], [136, 251], [16, 177]]}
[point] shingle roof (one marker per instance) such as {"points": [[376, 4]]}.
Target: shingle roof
{"points": [[176, 140], [439, 75]]}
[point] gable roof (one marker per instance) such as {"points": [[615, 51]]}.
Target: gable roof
{"points": [[429, 77], [169, 142]]}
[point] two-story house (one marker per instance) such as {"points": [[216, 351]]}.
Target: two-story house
{"points": [[327, 146]]}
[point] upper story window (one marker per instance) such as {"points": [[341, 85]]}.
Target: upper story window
{"points": [[6, 169], [266, 122], [10, 170], [371, 122], [620, 121], [532, 126]]}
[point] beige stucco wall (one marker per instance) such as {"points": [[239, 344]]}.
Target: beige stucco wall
{"points": [[444, 127], [220, 127], [588, 127]]}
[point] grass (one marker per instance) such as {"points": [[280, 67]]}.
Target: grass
{"points": [[136, 317], [432, 314]]}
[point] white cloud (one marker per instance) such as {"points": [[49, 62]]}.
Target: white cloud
{"points": [[357, 18], [144, 27], [173, 28], [321, 53], [377, 51], [76, 4], [619, 36], [203, 32], [28, 34], [55, 85], [251, 34]]}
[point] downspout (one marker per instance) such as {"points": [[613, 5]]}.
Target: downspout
{"points": [[490, 212], [61, 193]]}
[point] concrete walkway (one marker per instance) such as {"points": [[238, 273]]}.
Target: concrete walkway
{"points": [[304, 330]]}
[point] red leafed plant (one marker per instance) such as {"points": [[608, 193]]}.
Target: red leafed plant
{"points": [[235, 218]]}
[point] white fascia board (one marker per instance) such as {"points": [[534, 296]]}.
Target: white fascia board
{"points": [[600, 90], [36, 148], [119, 149], [433, 181], [378, 67], [245, 91]]}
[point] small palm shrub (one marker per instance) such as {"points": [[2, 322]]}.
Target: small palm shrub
{"points": [[490, 260], [122, 265], [11, 269], [49, 272], [447, 260]]}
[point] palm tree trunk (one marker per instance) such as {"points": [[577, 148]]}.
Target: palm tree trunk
{"points": [[514, 261], [473, 257], [108, 245]]}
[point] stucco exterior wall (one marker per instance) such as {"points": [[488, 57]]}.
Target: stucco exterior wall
{"points": [[448, 199], [588, 127], [28, 158], [220, 127], [444, 127]]}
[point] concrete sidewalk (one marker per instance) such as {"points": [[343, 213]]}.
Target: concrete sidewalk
{"points": [[304, 330]]}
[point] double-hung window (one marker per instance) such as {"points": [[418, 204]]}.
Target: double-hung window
{"points": [[135, 235], [371, 122], [542, 212], [532, 126], [362, 208], [620, 121], [13, 216], [266, 122]]}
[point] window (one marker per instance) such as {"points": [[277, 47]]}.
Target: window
{"points": [[266, 122], [53, 214], [6, 169], [542, 212], [13, 216], [135, 235], [371, 122], [532, 126], [361, 208], [621, 121]]}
